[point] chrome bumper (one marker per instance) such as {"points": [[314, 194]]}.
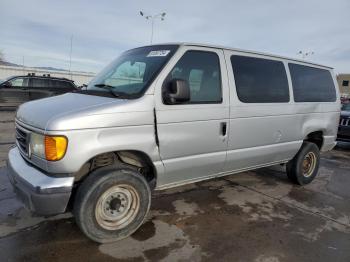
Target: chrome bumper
{"points": [[40, 193]]}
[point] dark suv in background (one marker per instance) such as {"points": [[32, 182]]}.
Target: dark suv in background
{"points": [[16, 90], [344, 124]]}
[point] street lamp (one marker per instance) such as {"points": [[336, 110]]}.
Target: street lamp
{"points": [[160, 16], [305, 54]]}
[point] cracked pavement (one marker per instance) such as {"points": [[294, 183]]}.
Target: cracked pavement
{"points": [[251, 216]]}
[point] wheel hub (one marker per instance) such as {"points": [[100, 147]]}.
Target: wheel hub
{"points": [[115, 204], [117, 207], [309, 164]]}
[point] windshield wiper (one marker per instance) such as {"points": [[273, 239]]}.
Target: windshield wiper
{"points": [[104, 86], [111, 90]]}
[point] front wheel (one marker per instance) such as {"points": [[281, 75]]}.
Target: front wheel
{"points": [[303, 168], [112, 203]]}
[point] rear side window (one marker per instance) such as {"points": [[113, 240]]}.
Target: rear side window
{"points": [[312, 84], [61, 84], [39, 82], [260, 80], [202, 71]]}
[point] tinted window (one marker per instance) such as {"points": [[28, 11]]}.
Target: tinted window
{"points": [[40, 82], [61, 84], [345, 107], [202, 71], [345, 82], [260, 80], [312, 84]]}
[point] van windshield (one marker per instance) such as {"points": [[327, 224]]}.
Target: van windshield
{"points": [[130, 74]]}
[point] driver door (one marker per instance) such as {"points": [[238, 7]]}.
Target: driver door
{"points": [[193, 135], [14, 92]]}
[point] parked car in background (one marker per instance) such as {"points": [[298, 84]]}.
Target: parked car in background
{"points": [[16, 90], [344, 124], [162, 116], [344, 99]]}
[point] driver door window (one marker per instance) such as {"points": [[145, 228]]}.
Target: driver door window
{"points": [[202, 72], [19, 82]]}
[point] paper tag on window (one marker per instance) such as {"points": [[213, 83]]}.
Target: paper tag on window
{"points": [[158, 53]]}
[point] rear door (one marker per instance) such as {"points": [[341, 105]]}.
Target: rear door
{"points": [[14, 92], [192, 135], [61, 86], [263, 122], [40, 88]]}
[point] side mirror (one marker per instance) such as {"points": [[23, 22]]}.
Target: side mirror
{"points": [[176, 91]]}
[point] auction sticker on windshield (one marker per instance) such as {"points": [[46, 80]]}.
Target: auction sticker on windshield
{"points": [[158, 53]]}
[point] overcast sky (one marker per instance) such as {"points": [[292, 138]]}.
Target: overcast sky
{"points": [[40, 31]]}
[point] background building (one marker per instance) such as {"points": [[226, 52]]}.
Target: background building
{"points": [[344, 84]]}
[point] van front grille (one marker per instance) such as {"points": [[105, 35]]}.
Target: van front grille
{"points": [[345, 121], [22, 140]]}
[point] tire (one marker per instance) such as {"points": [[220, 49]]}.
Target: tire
{"points": [[303, 168], [112, 203]]}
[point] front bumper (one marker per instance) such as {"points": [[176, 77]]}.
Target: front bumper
{"points": [[39, 192], [344, 134]]}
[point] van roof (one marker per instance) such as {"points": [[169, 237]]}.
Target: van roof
{"points": [[244, 51]]}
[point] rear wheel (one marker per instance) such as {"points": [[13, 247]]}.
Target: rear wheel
{"points": [[303, 168], [112, 203]]}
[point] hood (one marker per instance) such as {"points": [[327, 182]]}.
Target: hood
{"points": [[78, 111]]}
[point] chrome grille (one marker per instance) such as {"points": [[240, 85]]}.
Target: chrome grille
{"points": [[22, 139], [345, 121]]}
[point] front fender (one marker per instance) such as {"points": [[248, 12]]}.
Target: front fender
{"points": [[83, 145]]}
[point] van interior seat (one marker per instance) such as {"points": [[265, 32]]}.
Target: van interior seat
{"points": [[210, 89]]}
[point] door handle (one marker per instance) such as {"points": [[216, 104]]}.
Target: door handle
{"points": [[223, 128]]}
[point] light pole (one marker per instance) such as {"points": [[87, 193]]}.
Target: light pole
{"points": [[305, 54], [70, 56], [160, 16]]}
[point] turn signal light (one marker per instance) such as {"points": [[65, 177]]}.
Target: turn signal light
{"points": [[55, 147]]}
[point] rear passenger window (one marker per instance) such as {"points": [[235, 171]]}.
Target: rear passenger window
{"points": [[39, 82], [61, 84], [312, 84], [260, 80], [202, 71]]}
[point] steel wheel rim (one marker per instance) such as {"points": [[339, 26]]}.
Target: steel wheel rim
{"points": [[309, 164], [117, 207]]}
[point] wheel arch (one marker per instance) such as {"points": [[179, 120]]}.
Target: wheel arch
{"points": [[134, 158], [315, 137]]}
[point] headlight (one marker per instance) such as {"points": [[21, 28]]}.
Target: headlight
{"points": [[52, 148], [37, 146]]}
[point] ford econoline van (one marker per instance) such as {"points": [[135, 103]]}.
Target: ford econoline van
{"points": [[166, 115]]}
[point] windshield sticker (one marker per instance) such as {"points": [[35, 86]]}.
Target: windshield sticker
{"points": [[158, 53]]}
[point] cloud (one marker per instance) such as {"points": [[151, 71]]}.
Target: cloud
{"points": [[103, 29]]}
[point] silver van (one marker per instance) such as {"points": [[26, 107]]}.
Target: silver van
{"points": [[166, 115]]}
